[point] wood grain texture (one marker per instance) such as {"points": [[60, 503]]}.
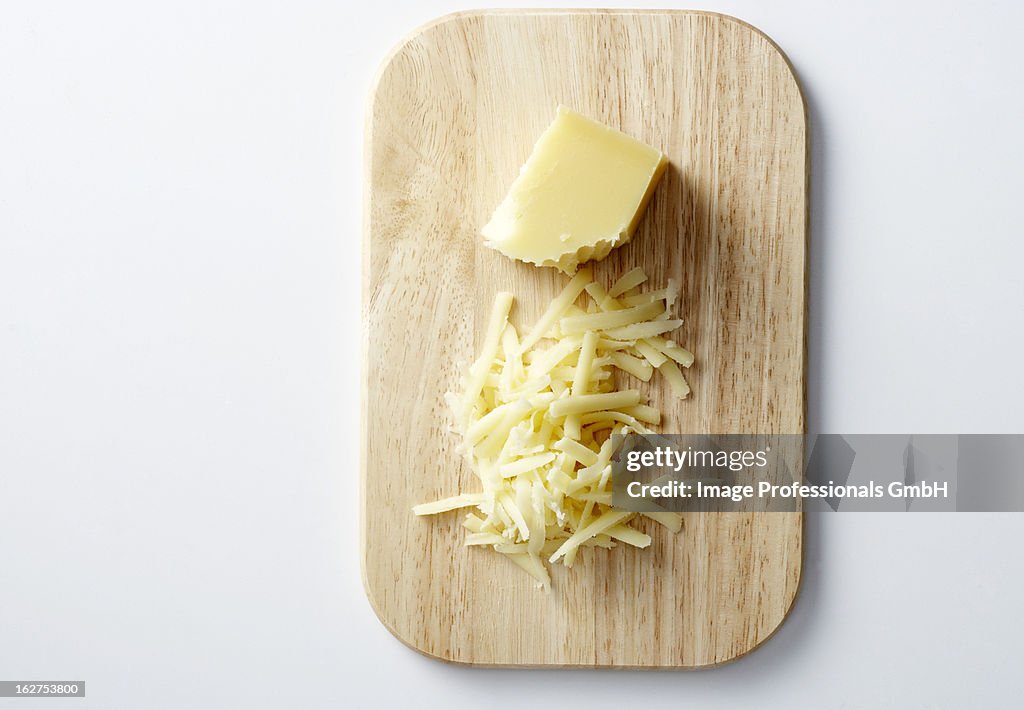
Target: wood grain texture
{"points": [[455, 112]]}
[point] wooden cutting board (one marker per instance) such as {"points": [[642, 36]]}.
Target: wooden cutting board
{"points": [[455, 112]]}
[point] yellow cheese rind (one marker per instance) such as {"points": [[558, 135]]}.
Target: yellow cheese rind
{"points": [[579, 195]]}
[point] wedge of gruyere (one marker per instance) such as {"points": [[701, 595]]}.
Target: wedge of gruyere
{"points": [[579, 195]]}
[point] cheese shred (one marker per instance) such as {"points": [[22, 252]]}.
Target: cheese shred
{"points": [[538, 423]]}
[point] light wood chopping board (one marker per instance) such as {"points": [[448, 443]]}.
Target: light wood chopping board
{"points": [[454, 114]]}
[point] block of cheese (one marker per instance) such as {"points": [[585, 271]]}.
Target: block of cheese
{"points": [[579, 195]]}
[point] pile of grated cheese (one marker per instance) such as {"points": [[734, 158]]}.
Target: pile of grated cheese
{"points": [[537, 423]]}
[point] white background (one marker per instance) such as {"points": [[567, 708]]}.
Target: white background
{"points": [[180, 195]]}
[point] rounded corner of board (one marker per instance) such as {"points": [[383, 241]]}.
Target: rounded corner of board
{"points": [[407, 641], [418, 33], [386, 622], [773, 47], [399, 50], [770, 629]]}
